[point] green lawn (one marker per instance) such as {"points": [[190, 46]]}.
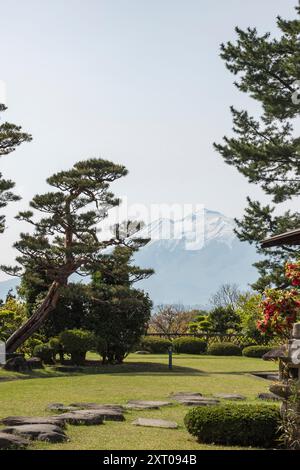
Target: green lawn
{"points": [[141, 377]]}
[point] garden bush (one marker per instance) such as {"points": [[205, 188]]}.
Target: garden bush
{"points": [[256, 351], [243, 425], [224, 349], [155, 344], [57, 347], [77, 343], [44, 352], [189, 345]]}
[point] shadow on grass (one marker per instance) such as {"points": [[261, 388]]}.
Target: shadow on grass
{"points": [[129, 368]]}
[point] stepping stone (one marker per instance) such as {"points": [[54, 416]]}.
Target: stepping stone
{"points": [[96, 406], [91, 417], [110, 414], [134, 406], [38, 432], [268, 396], [194, 401], [20, 420], [230, 396], [60, 407], [10, 442], [179, 395], [155, 423], [147, 404]]}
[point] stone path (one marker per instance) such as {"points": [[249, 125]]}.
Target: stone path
{"points": [[155, 423], [11, 442], [39, 432], [21, 430], [20, 420]]}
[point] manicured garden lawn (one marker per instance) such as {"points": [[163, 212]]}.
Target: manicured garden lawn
{"points": [[140, 377]]}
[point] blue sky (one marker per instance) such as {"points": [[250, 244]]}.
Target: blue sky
{"points": [[136, 81]]}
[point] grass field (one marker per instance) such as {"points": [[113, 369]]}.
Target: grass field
{"points": [[140, 377]]}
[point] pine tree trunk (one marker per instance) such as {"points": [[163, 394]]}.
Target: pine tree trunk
{"points": [[36, 320]]}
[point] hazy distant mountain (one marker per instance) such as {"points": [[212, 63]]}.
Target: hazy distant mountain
{"points": [[189, 271]]}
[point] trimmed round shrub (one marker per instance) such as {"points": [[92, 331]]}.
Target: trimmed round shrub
{"points": [[242, 425], [256, 351], [44, 352], [57, 347], [224, 349], [189, 345], [77, 343], [155, 344]]}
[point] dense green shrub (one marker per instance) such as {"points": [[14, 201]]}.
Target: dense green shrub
{"points": [[155, 344], [57, 347], [189, 345], [244, 425], [44, 352], [256, 351], [77, 343], [224, 349]]}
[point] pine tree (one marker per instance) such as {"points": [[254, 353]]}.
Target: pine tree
{"points": [[117, 312], [11, 136], [65, 239], [265, 150]]}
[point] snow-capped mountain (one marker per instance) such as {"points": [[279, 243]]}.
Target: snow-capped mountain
{"points": [[195, 230], [192, 257]]}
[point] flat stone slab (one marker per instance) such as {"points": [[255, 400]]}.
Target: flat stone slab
{"points": [[230, 396], [20, 420], [155, 423], [134, 406], [268, 397], [185, 394], [90, 417], [60, 407], [38, 432], [194, 401], [11, 442], [96, 406], [149, 403]]}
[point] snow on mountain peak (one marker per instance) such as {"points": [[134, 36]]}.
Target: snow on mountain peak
{"points": [[192, 232]]}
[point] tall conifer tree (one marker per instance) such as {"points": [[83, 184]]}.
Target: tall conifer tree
{"points": [[65, 239], [266, 150]]}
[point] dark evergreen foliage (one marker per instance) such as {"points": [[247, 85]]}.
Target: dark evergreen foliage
{"points": [[11, 136], [266, 150]]}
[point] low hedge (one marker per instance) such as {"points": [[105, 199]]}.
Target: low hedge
{"points": [[155, 344], [189, 345], [256, 351], [224, 349], [242, 425]]}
